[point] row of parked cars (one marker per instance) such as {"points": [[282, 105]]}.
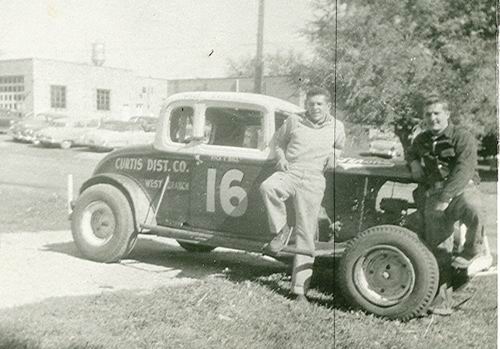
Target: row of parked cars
{"points": [[54, 130]]}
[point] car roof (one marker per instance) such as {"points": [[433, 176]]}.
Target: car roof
{"points": [[238, 97]]}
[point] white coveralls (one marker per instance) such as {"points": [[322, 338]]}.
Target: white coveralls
{"points": [[307, 147]]}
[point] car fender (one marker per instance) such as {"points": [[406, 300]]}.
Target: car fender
{"points": [[140, 203]]}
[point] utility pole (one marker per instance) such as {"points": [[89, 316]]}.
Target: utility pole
{"points": [[259, 60]]}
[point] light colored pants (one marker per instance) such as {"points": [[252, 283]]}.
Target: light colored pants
{"points": [[306, 188]]}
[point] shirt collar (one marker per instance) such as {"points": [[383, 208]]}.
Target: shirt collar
{"points": [[448, 132], [328, 120]]}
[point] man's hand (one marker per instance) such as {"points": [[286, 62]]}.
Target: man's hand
{"points": [[417, 171], [330, 162], [282, 165]]}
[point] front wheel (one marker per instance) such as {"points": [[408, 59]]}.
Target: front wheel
{"points": [[102, 224], [388, 271]]}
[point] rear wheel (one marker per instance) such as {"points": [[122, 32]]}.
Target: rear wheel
{"points": [[388, 271], [191, 247], [102, 224]]}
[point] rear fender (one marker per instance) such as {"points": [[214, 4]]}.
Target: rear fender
{"points": [[140, 203]]}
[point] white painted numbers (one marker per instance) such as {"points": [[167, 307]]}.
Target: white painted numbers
{"points": [[233, 199]]}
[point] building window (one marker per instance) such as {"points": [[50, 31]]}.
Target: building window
{"points": [[57, 96], [103, 99]]}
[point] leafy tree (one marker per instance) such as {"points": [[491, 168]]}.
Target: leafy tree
{"points": [[279, 63], [383, 57]]}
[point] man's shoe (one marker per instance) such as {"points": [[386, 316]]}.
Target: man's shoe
{"points": [[442, 304], [465, 259], [441, 310], [278, 243], [300, 298]]}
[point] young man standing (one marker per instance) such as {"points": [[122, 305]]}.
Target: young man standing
{"points": [[305, 146]]}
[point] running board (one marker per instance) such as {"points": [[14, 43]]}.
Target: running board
{"points": [[221, 239]]}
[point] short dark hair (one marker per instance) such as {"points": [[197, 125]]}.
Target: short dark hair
{"points": [[435, 98], [317, 91]]}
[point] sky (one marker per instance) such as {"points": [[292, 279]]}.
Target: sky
{"points": [[158, 38]]}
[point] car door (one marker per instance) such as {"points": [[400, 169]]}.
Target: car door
{"points": [[174, 170], [228, 171]]}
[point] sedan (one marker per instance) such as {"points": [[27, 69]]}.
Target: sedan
{"points": [[116, 134]]}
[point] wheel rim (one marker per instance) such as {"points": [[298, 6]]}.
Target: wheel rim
{"points": [[98, 223], [384, 275]]}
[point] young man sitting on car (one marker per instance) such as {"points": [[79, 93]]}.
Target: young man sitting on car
{"points": [[305, 146]]}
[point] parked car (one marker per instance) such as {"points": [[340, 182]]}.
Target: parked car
{"points": [[24, 130], [199, 183], [8, 118], [65, 132], [114, 134], [148, 123]]}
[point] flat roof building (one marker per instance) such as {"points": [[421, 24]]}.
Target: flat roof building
{"points": [[85, 90], [78, 89]]}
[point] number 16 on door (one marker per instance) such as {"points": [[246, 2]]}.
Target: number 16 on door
{"points": [[233, 199]]}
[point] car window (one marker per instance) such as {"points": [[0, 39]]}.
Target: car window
{"points": [[181, 124], [233, 127]]}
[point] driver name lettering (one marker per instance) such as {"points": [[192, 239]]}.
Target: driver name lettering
{"points": [[225, 158]]}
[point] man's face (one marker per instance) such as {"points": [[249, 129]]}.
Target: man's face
{"points": [[317, 108], [436, 117]]}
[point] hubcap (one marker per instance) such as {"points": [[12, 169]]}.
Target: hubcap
{"points": [[98, 223], [384, 275]]}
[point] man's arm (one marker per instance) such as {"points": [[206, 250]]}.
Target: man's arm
{"points": [[464, 169], [282, 138], [413, 159], [338, 145]]}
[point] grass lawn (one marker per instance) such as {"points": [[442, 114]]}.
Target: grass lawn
{"points": [[234, 312]]}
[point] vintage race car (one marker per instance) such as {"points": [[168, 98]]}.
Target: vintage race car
{"points": [[65, 132], [114, 134], [199, 183]]}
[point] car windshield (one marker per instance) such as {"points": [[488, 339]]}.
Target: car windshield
{"points": [[121, 126]]}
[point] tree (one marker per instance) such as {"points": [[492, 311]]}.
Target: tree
{"points": [[279, 63], [382, 58]]}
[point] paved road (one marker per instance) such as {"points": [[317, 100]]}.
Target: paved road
{"points": [[36, 266]]}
